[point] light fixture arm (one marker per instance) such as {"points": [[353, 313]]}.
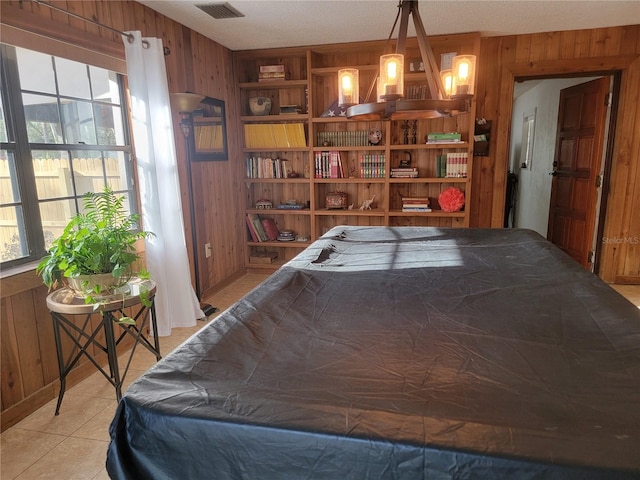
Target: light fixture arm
{"points": [[391, 103], [436, 88]]}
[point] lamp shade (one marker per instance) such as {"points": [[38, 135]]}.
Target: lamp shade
{"points": [[447, 82], [348, 86], [392, 75], [464, 74], [185, 102]]}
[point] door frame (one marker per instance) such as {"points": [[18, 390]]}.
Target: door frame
{"points": [[605, 66]]}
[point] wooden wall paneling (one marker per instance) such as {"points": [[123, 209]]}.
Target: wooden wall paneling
{"points": [[26, 332], [629, 40], [11, 383], [46, 343], [619, 258], [522, 47], [76, 23], [538, 47], [567, 44], [597, 42], [582, 45]]}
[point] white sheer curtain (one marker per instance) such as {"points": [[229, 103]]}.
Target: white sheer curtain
{"points": [[159, 188]]}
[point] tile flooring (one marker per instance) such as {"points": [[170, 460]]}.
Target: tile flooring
{"points": [[73, 445]]}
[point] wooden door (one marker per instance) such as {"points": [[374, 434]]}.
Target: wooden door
{"points": [[576, 168]]}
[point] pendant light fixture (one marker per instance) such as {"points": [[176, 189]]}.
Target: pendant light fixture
{"points": [[450, 91]]}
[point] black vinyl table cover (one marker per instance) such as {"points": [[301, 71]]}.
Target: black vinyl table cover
{"points": [[399, 353]]}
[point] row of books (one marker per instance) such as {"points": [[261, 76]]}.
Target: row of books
{"points": [[416, 92], [274, 135], [356, 138], [416, 204], [452, 165], [261, 167], [328, 165], [404, 172], [372, 165], [262, 229], [444, 137]]}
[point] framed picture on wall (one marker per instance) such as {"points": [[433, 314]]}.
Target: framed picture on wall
{"points": [[210, 131]]}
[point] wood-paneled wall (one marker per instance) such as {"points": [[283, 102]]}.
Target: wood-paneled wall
{"points": [[613, 50], [195, 64]]}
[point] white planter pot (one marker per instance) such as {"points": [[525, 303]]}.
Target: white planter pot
{"points": [[83, 284]]}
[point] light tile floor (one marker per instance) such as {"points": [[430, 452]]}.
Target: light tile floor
{"points": [[73, 445]]}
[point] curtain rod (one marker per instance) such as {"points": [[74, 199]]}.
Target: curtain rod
{"points": [[89, 20]]}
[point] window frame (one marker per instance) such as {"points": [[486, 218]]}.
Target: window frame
{"points": [[18, 143]]}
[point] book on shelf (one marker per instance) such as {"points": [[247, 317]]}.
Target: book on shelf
{"points": [[277, 68], [265, 167], [274, 135], [372, 165], [352, 138], [290, 109], [290, 206], [328, 165], [456, 165], [404, 172], [444, 137], [255, 225], [270, 228], [416, 204], [252, 232], [416, 209]]}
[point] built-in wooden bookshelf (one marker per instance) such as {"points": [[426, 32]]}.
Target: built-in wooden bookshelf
{"points": [[312, 87]]}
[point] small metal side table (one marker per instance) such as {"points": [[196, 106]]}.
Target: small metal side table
{"points": [[64, 303]]}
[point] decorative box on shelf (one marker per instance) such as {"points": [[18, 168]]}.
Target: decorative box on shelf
{"points": [[336, 200], [263, 257], [269, 73]]}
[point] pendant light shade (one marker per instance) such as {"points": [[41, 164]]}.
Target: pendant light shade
{"points": [[464, 71], [348, 86], [392, 76], [449, 92]]}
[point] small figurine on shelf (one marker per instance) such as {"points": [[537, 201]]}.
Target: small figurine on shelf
{"points": [[405, 131], [366, 205], [414, 130]]}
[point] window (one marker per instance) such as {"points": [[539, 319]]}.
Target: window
{"points": [[63, 133]]}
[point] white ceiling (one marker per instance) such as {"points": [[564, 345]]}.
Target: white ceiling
{"points": [[288, 23]]}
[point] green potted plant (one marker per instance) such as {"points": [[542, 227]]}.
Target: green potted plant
{"points": [[95, 255]]}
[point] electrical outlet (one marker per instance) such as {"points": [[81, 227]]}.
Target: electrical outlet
{"points": [[207, 250]]}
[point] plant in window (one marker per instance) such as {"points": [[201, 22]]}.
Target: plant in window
{"points": [[95, 255]]}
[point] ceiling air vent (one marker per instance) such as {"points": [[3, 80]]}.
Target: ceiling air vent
{"points": [[220, 10]]}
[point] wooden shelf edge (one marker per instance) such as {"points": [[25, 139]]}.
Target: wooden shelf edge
{"points": [[435, 213], [276, 244], [274, 149], [276, 180], [299, 117], [377, 148], [279, 211], [429, 180], [348, 180], [431, 146], [273, 84], [378, 212]]}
